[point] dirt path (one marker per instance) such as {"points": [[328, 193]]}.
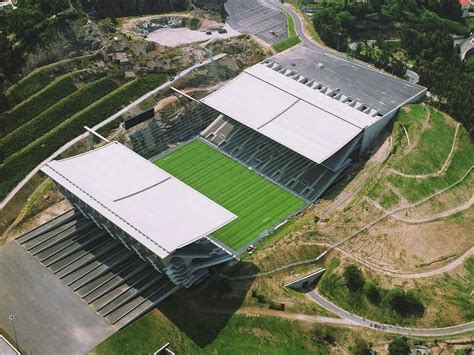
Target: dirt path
{"points": [[425, 219], [393, 273], [256, 311], [351, 236]]}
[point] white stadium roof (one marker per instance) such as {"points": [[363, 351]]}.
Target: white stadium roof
{"points": [[291, 113], [153, 207]]}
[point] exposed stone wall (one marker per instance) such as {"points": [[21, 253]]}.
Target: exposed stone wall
{"points": [[128, 7]]}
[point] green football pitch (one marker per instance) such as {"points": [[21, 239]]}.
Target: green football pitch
{"points": [[257, 202]]}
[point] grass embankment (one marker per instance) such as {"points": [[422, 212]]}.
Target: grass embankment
{"points": [[257, 202], [292, 39], [33, 106], [42, 77], [18, 165], [447, 299], [431, 138], [55, 115], [433, 148]]}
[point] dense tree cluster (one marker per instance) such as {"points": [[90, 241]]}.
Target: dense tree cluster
{"points": [[425, 29], [372, 292], [26, 27], [450, 81], [404, 303], [354, 278]]}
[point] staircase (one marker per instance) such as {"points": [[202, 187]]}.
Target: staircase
{"points": [[100, 269]]}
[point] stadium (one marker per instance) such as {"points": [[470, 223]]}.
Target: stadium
{"points": [[188, 194]]}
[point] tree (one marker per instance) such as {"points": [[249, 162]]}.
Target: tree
{"points": [[360, 347], [372, 292], [404, 303], [354, 278], [399, 346]]}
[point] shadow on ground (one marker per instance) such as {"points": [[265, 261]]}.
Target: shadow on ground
{"points": [[203, 311]]}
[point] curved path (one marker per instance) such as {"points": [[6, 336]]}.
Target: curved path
{"points": [[308, 41], [429, 218], [392, 273], [387, 328], [441, 171]]}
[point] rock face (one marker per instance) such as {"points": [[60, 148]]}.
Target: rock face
{"points": [[129, 7]]}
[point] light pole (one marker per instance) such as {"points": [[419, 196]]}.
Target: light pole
{"points": [[12, 319]]}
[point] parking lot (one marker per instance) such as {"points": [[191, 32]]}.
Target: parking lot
{"points": [[251, 16], [49, 317]]}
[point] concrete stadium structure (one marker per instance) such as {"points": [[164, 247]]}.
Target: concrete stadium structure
{"points": [[137, 234], [169, 223], [302, 122]]}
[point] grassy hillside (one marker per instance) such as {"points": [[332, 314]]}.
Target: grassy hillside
{"points": [[213, 333], [42, 77], [55, 115], [446, 298], [37, 103], [431, 135], [257, 202], [18, 165]]}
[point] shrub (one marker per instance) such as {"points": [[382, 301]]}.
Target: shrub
{"points": [[55, 115], [325, 335], [399, 346], [354, 278], [360, 347], [18, 165], [403, 303], [372, 292]]}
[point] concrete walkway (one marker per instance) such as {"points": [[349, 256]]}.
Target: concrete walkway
{"points": [[387, 328], [49, 317]]}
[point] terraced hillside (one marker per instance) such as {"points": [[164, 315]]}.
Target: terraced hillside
{"points": [[50, 106]]}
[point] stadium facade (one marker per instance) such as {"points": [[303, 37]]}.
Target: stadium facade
{"points": [[164, 221], [302, 122]]}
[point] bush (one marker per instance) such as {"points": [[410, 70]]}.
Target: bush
{"points": [[29, 109], [404, 304], [325, 335], [55, 115], [399, 346], [18, 165], [354, 278], [372, 292], [360, 347]]}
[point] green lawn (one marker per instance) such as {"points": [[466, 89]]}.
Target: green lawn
{"points": [[433, 148], [257, 202]]}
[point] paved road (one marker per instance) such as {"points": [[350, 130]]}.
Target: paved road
{"points": [[103, 123], [419, 332], [413, 77]]}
